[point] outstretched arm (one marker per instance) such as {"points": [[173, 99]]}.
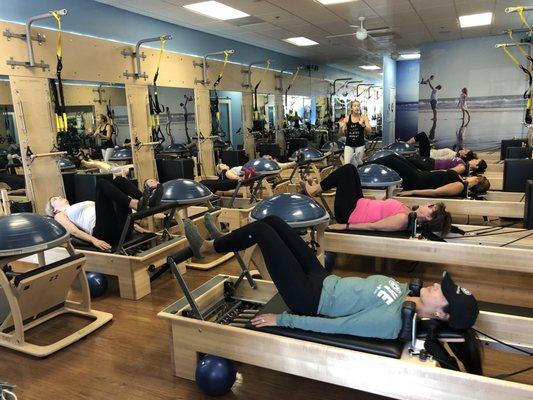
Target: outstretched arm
{"points": [[451, 189], [75, 231]]}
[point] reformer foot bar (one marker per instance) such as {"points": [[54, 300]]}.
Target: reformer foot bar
{"points": [[201, 322]]}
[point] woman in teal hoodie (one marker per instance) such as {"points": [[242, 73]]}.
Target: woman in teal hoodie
{"points": [[323, 302]]}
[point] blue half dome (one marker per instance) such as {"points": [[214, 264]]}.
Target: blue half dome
{"points": [[382, 153], [263, 166], [121, 154], [402, 148], [27, 233], [185, 191], [298, 210], [175, 148], [376, 175], [336, 147], [307, 154], [66, 164]]}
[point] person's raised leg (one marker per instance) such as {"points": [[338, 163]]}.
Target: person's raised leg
{"points": [[349, 190]]}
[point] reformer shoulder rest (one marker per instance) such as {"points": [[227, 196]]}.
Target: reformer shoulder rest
{"points": [[25, 275]]}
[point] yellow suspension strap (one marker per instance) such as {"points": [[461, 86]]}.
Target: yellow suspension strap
{"points": [[256, 114], [155, 107], [527, 93], [57, 91], [520, 11], [519, 46]]}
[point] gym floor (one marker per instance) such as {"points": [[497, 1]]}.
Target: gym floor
{"points": [[130, 357]]}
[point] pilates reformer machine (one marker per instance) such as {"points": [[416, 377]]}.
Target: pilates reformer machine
{"points": [[215, 319], [32, 298]]}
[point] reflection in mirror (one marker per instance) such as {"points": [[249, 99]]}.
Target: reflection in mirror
{"points": [[226, 117], [11, 171]]}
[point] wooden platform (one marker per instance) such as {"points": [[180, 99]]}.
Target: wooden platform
{"points": [[130, 358]]}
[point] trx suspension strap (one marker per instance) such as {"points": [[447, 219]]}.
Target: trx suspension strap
{"points": [[256, 115], [155, 108], [167, 125], [57, 91], [520, 11], [527, 93], [215, 112]]}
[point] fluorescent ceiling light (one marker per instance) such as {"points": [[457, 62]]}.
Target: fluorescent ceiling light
{"points": [[369, 67], [327, 2], [214, 9], [300, 41], [410, 56], [467, 21]]}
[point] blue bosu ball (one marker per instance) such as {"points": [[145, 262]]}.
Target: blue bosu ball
{"points": [[185, 191]]}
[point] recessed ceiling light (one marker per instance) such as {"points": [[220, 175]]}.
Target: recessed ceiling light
{"points": [[467, 21], [410, 56], [300, 41], [214, 9], [327, 2], [369, 67]]}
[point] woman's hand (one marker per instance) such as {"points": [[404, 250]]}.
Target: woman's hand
{"points": [[337, 227], [140, 229], [265, 320], [405, 193], [101, 244]]}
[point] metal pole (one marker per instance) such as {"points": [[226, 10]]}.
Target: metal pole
{"points": [[204, 65], [142, 41], [31, 20]]}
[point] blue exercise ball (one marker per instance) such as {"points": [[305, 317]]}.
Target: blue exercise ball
{"points": [[336, 147], [186, 191], [263, 166], [26, 233], [297, 210], [402, 148], [376, 175], [97, 284], [215, 375]]}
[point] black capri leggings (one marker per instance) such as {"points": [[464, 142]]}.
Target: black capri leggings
{"points": [[113, 207], [215, 185], [349, 190], [293, 266], [411, 176], [424, 145]]}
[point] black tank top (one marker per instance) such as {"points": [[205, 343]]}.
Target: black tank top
{"points": [[436, 179], [106, 144], [355, 133]]}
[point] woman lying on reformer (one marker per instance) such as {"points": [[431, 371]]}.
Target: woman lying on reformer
{"points": [[101, 222], [354, 212], [323, 302], [432, 183]]}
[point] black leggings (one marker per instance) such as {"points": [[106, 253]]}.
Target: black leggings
{"points": [[424, 146], [349, 190], [13, 181], [222, 185], [411, 176], [422, 163], [113, 207], [294, 268]]}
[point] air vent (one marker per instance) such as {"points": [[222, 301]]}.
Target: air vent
{"points": [[245, 21]]}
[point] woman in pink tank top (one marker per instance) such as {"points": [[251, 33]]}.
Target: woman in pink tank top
{"points": [[354, 212]]}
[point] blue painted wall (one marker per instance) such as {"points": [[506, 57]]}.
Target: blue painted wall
{"points": [[100, 20], [407, 77], [389, 82]]}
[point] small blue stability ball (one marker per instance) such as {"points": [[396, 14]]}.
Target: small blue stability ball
{"points": [[215, 375], [97, 284]]}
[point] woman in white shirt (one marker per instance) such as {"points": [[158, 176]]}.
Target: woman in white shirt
{"points": [[101, 222]]}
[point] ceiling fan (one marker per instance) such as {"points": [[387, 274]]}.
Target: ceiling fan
{"points": [[362, 33]]}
